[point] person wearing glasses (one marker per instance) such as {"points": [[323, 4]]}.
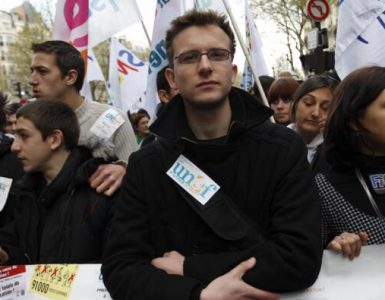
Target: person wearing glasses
{"points": [[223, 204]]}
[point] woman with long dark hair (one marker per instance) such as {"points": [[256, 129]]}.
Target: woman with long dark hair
{"points": [[353, 191]]}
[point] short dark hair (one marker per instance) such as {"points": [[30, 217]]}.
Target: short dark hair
{"points": [[49, 114], [282, 88], [11, 108], [353, 95], [309, 85], [67, 58], [199, 18], [161, 81], [266, 82]]}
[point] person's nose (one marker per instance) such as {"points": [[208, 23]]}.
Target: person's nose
{"points": [[32, 79], [15, 147], [280, 104], [205, 66], [316, 111]]}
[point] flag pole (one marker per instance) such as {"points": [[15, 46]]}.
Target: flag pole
{"points": [[143, 26], [246, 53]]}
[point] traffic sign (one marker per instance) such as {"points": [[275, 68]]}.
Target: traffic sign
{"points": [[318, 10]]}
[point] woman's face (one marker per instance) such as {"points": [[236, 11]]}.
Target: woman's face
{"points": [[373, 121], [312, 110], [281, 110], [143, 126]]}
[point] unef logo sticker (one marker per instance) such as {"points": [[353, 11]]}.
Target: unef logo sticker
{"points": [[193, 180], [107, 124], [378, 183]]}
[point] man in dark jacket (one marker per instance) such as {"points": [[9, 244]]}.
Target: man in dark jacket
{"points": [[223, 205], [60, 218], [10, 167]]}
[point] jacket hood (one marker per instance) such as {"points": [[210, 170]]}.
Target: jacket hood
{"points": [[247, 112]]}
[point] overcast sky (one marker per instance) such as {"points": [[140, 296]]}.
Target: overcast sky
{"points": [[273, 45]]}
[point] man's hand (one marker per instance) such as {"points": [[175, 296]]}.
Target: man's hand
{"points": [[231, 286], [3, 256], [349, 244], [170, 262], [107, 178]]}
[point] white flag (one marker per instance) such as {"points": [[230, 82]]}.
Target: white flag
{"points": [[216, 5], [94, 72], [127, 78], [108, 17], [360, 35], [71, 24], [247, 78], [166, 11], [254, 43]]}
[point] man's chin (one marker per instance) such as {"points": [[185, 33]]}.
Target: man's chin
{"points": [[207, 104], [27, 168]]}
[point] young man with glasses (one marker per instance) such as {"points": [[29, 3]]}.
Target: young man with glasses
{"points": [[231, 211]]}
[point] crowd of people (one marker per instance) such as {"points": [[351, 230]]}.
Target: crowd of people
{"points": [[219, 202]]}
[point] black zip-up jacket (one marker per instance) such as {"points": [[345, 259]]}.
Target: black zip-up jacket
{"points": [[63, 222], [260, 166]]}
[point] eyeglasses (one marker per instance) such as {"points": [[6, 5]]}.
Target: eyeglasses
{"points": [[194, 56]]}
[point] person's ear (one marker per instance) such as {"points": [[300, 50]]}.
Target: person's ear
{"points": [[56, 139], [234, 72], [170, 76], [71, 77]]}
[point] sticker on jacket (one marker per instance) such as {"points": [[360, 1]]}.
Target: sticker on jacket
{"points": [[107, 124], [378, 183], [193, 180], [5, 186]]}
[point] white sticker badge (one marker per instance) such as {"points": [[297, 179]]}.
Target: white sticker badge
{"points": [[193, 180], [5, 186], [107, 124]]}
